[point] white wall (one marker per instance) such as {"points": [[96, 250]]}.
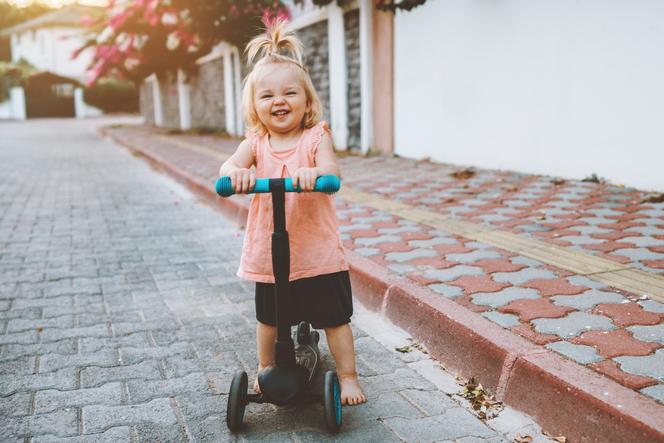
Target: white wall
{"points": [[51, 48], [566, 87]]}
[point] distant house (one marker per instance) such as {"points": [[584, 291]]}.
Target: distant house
{"points": [[47, 42]]}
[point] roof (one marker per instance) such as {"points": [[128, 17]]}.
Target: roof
{"points": [[48, 75], [70, 16]]}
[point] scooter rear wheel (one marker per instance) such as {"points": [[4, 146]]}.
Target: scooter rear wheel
{"points": [[237, 401], [332, 402]]}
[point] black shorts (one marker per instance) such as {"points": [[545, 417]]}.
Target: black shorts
{"points": [[325, 301]]}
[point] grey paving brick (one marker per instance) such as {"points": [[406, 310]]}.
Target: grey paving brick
{"points": [[588, 299], [367, 252], [446, 290], [18, 366], [638, 254], [113, 435], [401, 269], [579, 353], [14, 351], [51, 399], [521, 260], [355, 227], [649, 365], [61, 424], [437, 240], [504, 296], [504, 320], [522, 276], [453, 273], [470, 257], [582, 240], [53, 362], [15, 405], [656, 392], [97, 376], [430, 402], [63, 379], [573, 324], [643, 241], [580, 280], [156, 413], [135, 355], [654, 333], [141, 391], [55, 334], [409, 255], [23, 324], [652, 306], [400, 230], [371, 241], [453, 424]]}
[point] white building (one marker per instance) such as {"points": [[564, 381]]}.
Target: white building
{"points": [[47, 42]]}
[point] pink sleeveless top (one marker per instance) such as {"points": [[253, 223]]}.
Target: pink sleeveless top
{"points": [[311, 220]]}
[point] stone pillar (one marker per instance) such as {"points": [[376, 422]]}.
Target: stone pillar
{"points": [[383, 81], [17, 100], [79, 104], [338, 75], [237, 84], [156, 96], [184, 104], [229, 92], [366, 74]]}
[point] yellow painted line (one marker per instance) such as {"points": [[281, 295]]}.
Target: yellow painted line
{"points": [[608, 272]]}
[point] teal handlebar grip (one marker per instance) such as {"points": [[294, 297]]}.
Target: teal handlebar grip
{"points": [[325, 183]]}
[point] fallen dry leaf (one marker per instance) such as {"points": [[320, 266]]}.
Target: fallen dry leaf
{"points": [[522, 438], [463, 174], [484, 405], [403, 349], [657, 198]]}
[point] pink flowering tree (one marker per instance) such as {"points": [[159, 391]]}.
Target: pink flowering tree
{"points": [[137, 38]]}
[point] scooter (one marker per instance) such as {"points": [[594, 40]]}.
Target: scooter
{"points": [[291, 379]]}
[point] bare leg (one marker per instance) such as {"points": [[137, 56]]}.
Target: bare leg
{"points": [[266, 335], [340, 340]]}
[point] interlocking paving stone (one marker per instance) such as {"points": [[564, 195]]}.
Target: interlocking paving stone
{"points": [[405, 256], [643, 241], [504, 296], [652, 306], [580, 280], [579, 353], [588, 299], [522, 276], [371, 241], [453, 273], [367, 252], [656, 392], [433, 242], [401, 269], [60, 424], [572, 324], [581, 240], [470, 257], [446, 290], [504, 320], [50, 400], [638, 254], [453, 424], [649, 365], [653, 333]]}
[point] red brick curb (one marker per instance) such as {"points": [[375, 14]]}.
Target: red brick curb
{"points": [[564, 398]]}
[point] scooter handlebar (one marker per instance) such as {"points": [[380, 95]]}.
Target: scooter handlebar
{"points": [[325, 183]]}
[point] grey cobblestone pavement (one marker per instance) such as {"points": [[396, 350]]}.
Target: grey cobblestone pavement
{"points": [[121, 318]]}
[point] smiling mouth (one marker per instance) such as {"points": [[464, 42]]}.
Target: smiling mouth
{"points": [[280, 113]]}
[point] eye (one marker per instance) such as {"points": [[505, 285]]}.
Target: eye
{"points": [[264, 96], [291, 93]]}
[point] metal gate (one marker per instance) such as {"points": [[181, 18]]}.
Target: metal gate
{"points": [[50, 95]]}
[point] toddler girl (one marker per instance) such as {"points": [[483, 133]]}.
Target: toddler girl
{"points": [[287, 139]]}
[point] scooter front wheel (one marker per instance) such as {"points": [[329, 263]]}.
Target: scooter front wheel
{"points": [[332, 402], [237, 401]]}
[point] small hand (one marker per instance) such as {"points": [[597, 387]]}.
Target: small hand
{"points": [[243, 180], [305, 178]]}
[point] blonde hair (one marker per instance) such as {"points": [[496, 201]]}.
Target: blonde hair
{"points": [[276, 46]]}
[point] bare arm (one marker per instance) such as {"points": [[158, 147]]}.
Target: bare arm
{"points": [[237, 168]]}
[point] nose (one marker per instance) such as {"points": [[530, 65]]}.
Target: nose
{"points": [[279, 100]]}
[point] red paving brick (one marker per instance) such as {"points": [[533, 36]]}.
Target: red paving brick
{"points": [[539, 308], [628, 314], [610, 246], [612, 370], [555, 286], [498, 265], [452, 249], [472, 284], [615, 343], [656, 264]]}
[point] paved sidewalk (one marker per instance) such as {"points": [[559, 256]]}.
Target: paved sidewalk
{"points": [[121, 318], [574, 267]]}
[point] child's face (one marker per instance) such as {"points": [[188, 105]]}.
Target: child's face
{"points": [[280, 98]]}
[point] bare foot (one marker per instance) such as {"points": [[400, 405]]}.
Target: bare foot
{"points": [[351, 392], [257, 388]]}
